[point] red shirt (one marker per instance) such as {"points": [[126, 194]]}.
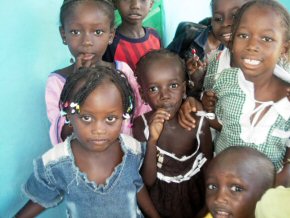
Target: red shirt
{"points": [[131, 50]]}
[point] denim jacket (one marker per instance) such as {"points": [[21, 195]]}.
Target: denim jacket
{"points": [[56, 177]]}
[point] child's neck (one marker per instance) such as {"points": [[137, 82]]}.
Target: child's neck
{"points": [[131, 30]]}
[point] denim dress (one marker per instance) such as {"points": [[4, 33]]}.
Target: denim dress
{"points": [[57, 178]]}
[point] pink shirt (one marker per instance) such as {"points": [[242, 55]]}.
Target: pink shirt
{"points": [[54, 88]]}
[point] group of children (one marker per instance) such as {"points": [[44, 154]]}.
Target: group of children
{"points": [[117, 87]]}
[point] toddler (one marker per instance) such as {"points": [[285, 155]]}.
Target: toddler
{"points": [[175, 158]]}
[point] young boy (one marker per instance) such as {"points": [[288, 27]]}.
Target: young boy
{"points": [[235, 180], [132, 40]]}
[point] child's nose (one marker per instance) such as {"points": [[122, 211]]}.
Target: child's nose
{"points": [[252, 44], [221, 196], [98, 128], [135, 4], [87, 40], [228, 21], [164, 94]]}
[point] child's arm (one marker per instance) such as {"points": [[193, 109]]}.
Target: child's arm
{"points": [[283, 177], [209, 101], [196, 70], [149, 168], [138, 129], [206, 144], [30, 209], [146, 203]]}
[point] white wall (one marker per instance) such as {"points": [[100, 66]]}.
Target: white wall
{"points": [[183, 10]]}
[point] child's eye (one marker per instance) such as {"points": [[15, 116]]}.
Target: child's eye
{"points": [[111, 119], [243, 36], [153, 89], [218, 19], [99, 32], [236, 188], [267, 39], [86, 118], [211, 187], [75, 32], [174, 85]]}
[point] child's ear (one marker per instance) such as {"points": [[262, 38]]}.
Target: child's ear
{"points": [[151, 3], [286, 47], [62, 34], [112, 35]]}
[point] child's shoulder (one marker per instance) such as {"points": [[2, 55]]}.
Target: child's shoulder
{"points": [[131, 144], [56, 154], [152, 31], [64, 72]]}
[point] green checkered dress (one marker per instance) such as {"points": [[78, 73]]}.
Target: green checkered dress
{"points": [[220, 61], [234, 109]]}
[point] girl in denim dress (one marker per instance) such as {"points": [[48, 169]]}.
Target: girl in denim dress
{"points": [[95, 170]]}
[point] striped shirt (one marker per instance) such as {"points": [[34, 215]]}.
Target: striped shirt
{"points": [[131, 50]]}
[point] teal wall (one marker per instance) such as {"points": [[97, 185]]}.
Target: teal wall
{"points": [[31, 48]]}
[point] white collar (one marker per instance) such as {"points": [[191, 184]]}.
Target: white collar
{"points": [[282, 106]]}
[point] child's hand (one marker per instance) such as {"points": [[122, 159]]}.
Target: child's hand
{"points": [[85, 61], [195, 69], [156, 123], [185, 118], [209, 101]]}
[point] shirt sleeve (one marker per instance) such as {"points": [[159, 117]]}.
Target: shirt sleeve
{"points": [[40, 187], [53, 90]]}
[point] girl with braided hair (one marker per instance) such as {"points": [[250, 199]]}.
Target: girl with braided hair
{"points": [[96, 169], [87, 28]]}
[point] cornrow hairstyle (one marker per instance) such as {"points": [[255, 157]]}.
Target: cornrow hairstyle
{"points": [[275, 5], [80, 84], [156, 55], [68, 6]]}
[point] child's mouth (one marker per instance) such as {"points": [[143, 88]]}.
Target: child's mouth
{"points": [[87, 57]]}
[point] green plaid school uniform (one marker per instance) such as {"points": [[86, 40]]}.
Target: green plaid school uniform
{"points": [[235, 107], [220, 61]]}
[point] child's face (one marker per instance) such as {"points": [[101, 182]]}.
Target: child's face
{"points": [[87, 31], [133, 11], [223, 16], [231, 189], [163, 86], [259, 42], [98, 125]]}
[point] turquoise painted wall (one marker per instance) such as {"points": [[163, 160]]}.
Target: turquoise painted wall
{"points": [[31, 48]]}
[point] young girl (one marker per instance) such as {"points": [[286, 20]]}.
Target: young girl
{"points": [[252, 105], [174, 156], [203, 74], [87, 28], [132, 39], [96, 169]]}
